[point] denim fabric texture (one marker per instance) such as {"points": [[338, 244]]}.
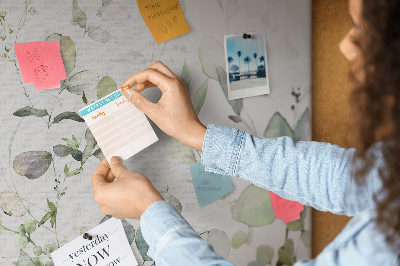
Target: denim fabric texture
{"points": [[312, 173]]}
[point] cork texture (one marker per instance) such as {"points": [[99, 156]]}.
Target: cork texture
{"points": [[330, 99]]}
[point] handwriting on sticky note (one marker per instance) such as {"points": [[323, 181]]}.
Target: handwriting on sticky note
{"points": [[108, 246], [118, 126], [284, 209], [41, 63], [209, 186], [164, 18]]}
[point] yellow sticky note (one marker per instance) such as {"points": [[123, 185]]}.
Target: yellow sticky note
{"points": [[164, 18]]}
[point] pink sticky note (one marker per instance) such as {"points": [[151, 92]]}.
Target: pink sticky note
{"points": [[284, 209], [41, 63]]}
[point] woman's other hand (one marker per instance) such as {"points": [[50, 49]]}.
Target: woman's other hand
{"points": [[174, 112]]}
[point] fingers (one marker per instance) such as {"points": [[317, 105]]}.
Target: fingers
{"points": [[159, 80], [100, 174], [118, 168], [160, 67]]}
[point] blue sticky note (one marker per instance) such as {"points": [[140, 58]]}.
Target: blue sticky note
{"points": [[209, 186]]}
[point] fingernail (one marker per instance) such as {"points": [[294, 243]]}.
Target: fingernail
{"points": [[125, 88], [115, 160], [128, 93]]}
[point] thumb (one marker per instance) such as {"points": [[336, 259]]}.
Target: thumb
{"points": [[138, 100], [117, 168]]}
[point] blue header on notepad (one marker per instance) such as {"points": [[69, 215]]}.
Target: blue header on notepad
{"points": [[100, 103]]}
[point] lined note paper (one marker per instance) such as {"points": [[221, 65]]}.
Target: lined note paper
{"points": [[118, 126]]}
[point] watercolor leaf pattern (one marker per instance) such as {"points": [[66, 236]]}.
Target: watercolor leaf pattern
{"points": [[106, 86], [78, 15], [85, 80], [218, 240], [67, 50], [32, 164], [200, 97], [31, 111], [11, 204]]}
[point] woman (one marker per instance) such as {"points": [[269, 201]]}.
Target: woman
{"points": [[362, 182]]}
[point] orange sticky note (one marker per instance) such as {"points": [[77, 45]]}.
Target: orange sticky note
{"points": [[41, 63], [284, 209], [164, 18]]}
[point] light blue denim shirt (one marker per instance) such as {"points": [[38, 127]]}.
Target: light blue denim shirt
{"points": [[312, 173]]}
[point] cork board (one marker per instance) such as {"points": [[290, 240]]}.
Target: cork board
{"points": [[331, 89]]}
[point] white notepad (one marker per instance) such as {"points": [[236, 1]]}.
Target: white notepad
{"points": [[118, 126]]}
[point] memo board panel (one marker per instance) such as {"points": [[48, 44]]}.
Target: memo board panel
{"points": [[102, 52]]}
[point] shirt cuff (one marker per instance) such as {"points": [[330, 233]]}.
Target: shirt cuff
{"points": [[157, 220], [222, 148]]}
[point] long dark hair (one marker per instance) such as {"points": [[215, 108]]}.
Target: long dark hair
{"points": [[375, 103]]}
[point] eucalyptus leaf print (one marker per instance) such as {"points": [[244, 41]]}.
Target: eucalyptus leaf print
{"points": [[218, 240], [303, 128], [98, 34], [32, 164], [24, 259], [278, 127], [113, 13], [200, 97], [178, 150], [106, 86], [90, 144], [11, 204], [286, 253], [98, 154], [297, 225], [264, 254], [67, 50], [142, 245], [68, 115], [185, 76], [173, 201], [86, 80], [253, 207], [211, 55], [63, 150], [306, 238], [31, 111], [78, 15], [238, 239]]}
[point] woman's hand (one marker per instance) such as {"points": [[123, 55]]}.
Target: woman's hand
{"points": [[174, 112], [127, 197]]}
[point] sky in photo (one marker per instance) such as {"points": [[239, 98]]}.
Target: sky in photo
{"points": [[256, 44]]}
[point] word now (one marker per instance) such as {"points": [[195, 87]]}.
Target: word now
{"points": [[94, 258]]}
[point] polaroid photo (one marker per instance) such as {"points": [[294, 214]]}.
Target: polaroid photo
{"points": [[246, 64]]}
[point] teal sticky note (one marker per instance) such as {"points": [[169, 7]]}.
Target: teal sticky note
{"points": [[209, 186]]}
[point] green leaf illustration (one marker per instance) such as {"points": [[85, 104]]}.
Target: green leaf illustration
{"points": [[22, 242], [238, 239], [278, 127], [45, 218], [106, 2], [179, 151], [106, 86], [249, 237], [231, 8], [265, 254], [200, 97], [173, 201], [63, 150], [51, 205], [105, 218], [297, 225], [98, 154], [74, 172], [286, 253], [85, 80], [113, 13], [53, 218], [32, 164], [98, 34], [303, 128], [67, 50], [68, 115], [24, 259], [129, 231], [11, 204], [78, 15], [218, 240], [306, 238], [212, 56], [30, 226], [90, 144], [73, 143], [28, 111], [253, 207], [84, 99], [142, 246], [185, 76], [237, 105]]}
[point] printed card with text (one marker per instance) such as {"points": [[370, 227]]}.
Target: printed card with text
{"points": [[108, 246], [118, 126]]}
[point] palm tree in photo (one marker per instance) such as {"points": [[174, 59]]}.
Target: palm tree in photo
{"points": [[262, 59], [230, 60], [255, 60], [239, 53], [247, 60]]}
